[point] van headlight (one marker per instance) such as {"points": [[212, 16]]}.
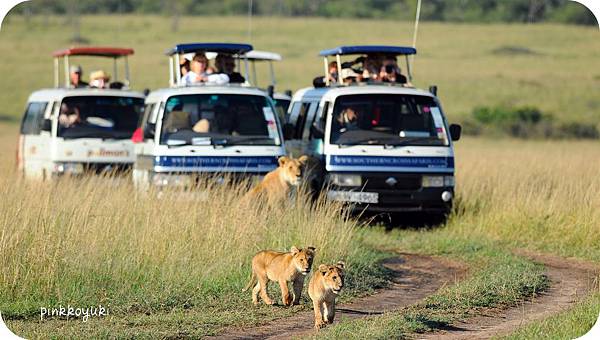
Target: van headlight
{"points": [[163, 180], [437, 181], [68, 168], [343, 180]]}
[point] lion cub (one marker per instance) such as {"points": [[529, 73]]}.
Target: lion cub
{"points": [[283, 268], [324, 286], [277, 184]]}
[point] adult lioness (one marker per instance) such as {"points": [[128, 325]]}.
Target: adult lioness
{"points": [[283, 268], [277, 184], [325, 284]]}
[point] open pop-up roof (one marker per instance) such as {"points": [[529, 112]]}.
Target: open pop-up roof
{"points": [[236, 50], [90, 51], [260, 56], [366, 50], [369, 49]]}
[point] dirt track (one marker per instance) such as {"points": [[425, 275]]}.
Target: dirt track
{"points": [[415, 277], [570, 280]]}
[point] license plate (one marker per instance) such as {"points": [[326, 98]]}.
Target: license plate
{"points": [[353, 196]]}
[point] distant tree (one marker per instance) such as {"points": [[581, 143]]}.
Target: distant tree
{"points": [[439, 10]]}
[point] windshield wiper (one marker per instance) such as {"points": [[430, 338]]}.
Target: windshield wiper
{"points": [[388, 143], [406, 142], [222, 142], [367, 141]]}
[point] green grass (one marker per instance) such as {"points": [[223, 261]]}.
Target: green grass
{"points": [[175, 262], [472, 64]]}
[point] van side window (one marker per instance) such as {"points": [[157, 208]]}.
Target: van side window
{"points": [[318, 118], [33, 119], [291, 116], [301, 120]]}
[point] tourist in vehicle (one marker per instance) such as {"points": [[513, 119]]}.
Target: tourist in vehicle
{"points": [[199, 73], [348, 119], [332, 75], [349, 76], [371, 68], [225, 64], [75, 75], [99, 79], [69, 116], [184, 66], [390, 71]]}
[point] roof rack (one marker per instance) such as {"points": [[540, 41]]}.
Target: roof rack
{"points": [[90, 51], [236, 50], [263, 56], [368, 50], [228, 48]]}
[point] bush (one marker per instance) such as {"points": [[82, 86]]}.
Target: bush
{"points": [[525, 122]]}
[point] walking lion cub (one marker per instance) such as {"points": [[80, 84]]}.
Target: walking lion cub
{"points": [[282, 268], [324, 286]]}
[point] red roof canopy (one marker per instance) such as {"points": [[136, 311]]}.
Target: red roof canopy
{"points": [[94, 51]]}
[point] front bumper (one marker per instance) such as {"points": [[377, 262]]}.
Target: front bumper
{"points": [[406, 195], [183, 180], [60, 169]]}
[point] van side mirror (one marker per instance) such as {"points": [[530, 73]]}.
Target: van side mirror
{"points": [[288, 93], [317, 132], [433, 90], [455, 131], [146, 92], [46, 125], [288, 131], [271, 90]]}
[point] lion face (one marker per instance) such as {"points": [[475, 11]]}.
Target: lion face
{"points": [[303, 259], [292, 168], [333, 276]]}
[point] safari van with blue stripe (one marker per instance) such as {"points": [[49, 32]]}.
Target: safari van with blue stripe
{"points": [[383, 146], [222, 129]]}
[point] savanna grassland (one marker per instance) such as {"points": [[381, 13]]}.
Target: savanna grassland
{"points": [[163, 265], [553, 67]]}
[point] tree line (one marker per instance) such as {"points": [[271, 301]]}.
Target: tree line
{"points": [[523, 11]]}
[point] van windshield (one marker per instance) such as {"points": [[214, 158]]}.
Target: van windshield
{"points": [[387, 119], [99, 117], [219, 119]]}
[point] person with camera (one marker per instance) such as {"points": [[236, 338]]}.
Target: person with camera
{"points": [[390, 71]]}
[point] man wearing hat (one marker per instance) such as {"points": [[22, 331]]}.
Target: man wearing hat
{"points": [[75, 75], [99, 79]]}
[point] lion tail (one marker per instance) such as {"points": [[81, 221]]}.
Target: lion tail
{"points": [[251, 283]]}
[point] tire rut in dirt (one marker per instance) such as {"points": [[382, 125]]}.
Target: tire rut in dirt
{"points": [[414, 278]]}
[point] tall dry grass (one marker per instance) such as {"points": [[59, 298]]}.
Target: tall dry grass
{"points": [[90, 241], [541, 195]]}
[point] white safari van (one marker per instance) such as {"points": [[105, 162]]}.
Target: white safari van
{"points": [[206, 128], [79, 130], [384, 146]]}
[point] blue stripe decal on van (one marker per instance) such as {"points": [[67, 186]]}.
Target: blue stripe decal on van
{"points": [[386, 161], [257, 162]]}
